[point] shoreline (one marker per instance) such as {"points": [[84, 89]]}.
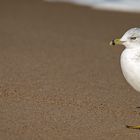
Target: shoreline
{"points": [[59, 79]]}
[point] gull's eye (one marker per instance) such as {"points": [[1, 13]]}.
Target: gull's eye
{"points": [[132, 38]]}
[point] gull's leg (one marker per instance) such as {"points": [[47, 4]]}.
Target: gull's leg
{"points": [[138, 107], [133, 126]]}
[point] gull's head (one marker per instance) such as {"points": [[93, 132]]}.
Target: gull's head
{"points": [[131, 39]]}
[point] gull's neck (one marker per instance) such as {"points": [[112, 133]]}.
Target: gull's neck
{"points": [[131, 53]]}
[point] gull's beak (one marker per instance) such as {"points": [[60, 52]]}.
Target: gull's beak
{"points": [[116, 42]]}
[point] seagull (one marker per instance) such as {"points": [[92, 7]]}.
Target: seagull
{"points": [[130, 59]]}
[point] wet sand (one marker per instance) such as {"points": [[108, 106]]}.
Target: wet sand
{"points": [[59, 79]]}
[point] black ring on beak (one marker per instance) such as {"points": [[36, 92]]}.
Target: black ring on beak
{"points": [[113, 42]]}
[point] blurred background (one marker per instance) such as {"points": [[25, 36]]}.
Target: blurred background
{"points": [[122, 5], [59, 78]]}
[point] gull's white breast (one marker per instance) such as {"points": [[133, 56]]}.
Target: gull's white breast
{"points": [[130, 64]]}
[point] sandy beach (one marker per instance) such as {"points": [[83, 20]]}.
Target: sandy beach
{"points": [[59, 78]]}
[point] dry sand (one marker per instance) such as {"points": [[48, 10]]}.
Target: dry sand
{"points": [[59, 79]]}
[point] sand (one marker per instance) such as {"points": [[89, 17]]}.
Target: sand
{"points": [[59, 79]]}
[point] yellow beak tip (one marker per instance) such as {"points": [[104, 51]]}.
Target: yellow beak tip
{"points": [[115, 42]]}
